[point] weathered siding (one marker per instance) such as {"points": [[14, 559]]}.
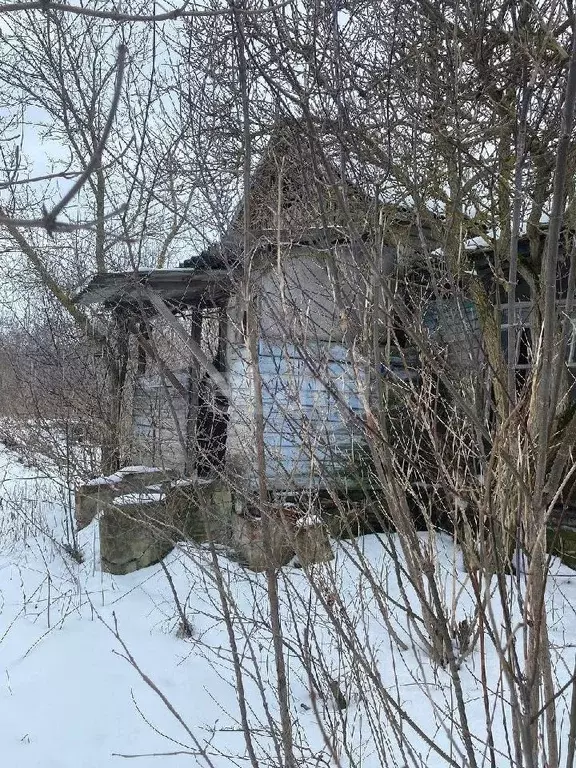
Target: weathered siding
{"points": [[298, 293], [240, 445], [455, 322], [159, 423], [310, 397], [297, 298]]}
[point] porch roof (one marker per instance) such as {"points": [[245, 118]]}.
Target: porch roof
{"points": [[179, 288]]}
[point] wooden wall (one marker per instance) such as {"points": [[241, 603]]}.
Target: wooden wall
{"points": [[455, 323], [159, 423], [310, 404]]}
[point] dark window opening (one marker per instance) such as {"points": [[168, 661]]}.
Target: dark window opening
{"points": [[523, 351], [211, 430]]}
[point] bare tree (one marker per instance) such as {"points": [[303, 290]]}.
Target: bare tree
{"points": [[411, 130]]}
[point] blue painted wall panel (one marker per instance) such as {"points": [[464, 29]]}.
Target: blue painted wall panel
{"points": [[308, 431]]}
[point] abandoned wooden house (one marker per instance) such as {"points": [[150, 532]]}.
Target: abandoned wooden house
{"points": [[246, 372], [299, 267]]}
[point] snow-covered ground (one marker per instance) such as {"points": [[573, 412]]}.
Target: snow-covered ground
{"points": [[71, 638]]}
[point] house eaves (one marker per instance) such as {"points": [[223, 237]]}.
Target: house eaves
{"points": [[179, 289]]}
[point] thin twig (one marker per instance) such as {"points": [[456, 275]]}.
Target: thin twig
{"points": [[34, 179], [155, 754], [152, 685], [186, 626]]}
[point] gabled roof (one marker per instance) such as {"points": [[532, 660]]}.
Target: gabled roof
{"points": [[295, 199], [292, 178], [289, 192]]}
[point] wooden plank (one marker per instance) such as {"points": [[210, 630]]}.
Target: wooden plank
{"points": [[195, 348], [192, 405]]}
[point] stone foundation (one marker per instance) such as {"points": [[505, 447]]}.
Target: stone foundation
{"points": [[562, 543], [201, 510], [312, 545], [143, 512], [134, 534], [289, 534], [97, 495], [89, 499], [248, 542], [136, 522]]}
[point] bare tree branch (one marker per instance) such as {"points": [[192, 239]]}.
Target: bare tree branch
{"points": [[58, 226], [36, 179], [96, 158], [177, 13], [49, 219]]}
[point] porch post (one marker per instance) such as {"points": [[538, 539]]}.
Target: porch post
{"points": [[194, 373]]}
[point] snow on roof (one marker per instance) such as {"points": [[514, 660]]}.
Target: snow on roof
{"points": [[139, 469], [186, 482], [110, 480], [481, 243], [476, 243], [138, 498]]}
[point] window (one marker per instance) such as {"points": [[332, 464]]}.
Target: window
{"points": [[524, 349], [571, 360], [523, 354]]}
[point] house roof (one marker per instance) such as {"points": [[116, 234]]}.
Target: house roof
{"points": [[179, 288], [480, 245], [311, 218], [306, 229], [306, 184]]}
